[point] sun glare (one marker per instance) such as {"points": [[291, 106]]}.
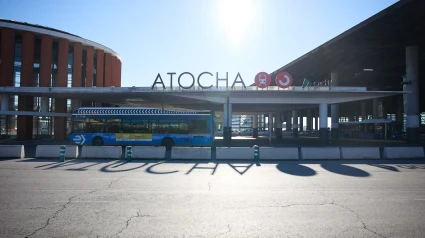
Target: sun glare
{"points": [[236, 16]]}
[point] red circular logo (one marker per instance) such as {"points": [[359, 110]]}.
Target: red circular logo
{"points": [[284, 80], [262, 80]]}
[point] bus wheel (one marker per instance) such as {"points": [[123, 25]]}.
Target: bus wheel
{"points": [[97, 141], [167, 142]]}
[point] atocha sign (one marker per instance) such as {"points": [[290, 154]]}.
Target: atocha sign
{"points": [[262, 80]]}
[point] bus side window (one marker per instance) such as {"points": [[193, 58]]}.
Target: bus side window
{"points": [[78, 126], [199, 126]]}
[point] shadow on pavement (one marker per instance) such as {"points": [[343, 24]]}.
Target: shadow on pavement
{"points": [[344, 169], [196, 166], [295, 169], [387, 167], [108, 168]]}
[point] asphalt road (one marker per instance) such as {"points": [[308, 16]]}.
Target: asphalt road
{"points": [[45, 198]]}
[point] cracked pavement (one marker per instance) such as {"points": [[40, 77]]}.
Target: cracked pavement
{"points": [[38, 198]]}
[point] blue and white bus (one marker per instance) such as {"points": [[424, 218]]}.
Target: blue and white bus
{"points": [[141, 126], [369, 129]]}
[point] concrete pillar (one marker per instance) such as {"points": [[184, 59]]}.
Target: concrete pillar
{"points": [[323, 115], [119, 72], [278, 125], [61, 81], [26, 103], [4, 102], [309, 120], [77, 65], [89, 66], [227, 121], [270, 125], [99, 68], [44, 104], [335, 111], [255, 126], [115, 78], [7, 56], [288, 121], [301, 115], [108, 70], [411, 100], [295, 123], [46, 60]]}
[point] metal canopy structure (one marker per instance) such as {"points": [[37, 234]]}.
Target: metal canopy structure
{"points": [[370, 54], [244, 101]]}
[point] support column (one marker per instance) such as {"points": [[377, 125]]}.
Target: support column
{"points": [[7, 56], [309, 120], [26, 103], [278, 122], [316, 121], [270, 125], [99, 68], [61, 81], [46, 60], [227, 129], [89, 66], [301, 115], [114, 77], [411, 100], [108, 70], [77, 65], [334, 111], [288, 121], [255, 126], [295, 123], [323, 115]]}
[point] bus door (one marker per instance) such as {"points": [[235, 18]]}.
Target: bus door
{"points": [[199, 132]]}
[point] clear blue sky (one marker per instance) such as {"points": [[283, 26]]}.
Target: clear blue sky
{"points": [[161, 36]]}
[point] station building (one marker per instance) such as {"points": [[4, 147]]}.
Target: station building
{"points": [[37, 56], [375, 69]]}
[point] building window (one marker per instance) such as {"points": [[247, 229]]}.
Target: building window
{"points": [[391, 117], [70, 65], [422, 118], [360, 118], [343, 119], [369, 117]]}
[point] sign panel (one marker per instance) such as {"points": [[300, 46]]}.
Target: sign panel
{"points": [[283, 80], [262, 80]]}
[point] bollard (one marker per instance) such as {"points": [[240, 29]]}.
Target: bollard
{"points": [[62, 153], [129, 153], [256, 153]]}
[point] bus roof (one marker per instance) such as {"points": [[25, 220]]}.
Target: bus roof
{"points": [[133, 111], [368, 121]]}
